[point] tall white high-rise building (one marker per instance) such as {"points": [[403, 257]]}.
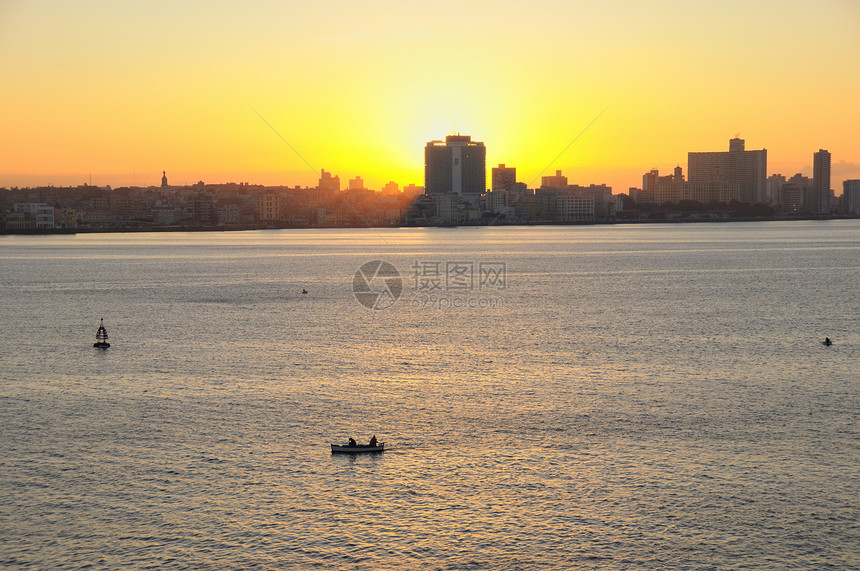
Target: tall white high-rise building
{"points": [[456, 166]]}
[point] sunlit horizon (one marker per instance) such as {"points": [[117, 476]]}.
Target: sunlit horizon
{"points": [[115, 94]]}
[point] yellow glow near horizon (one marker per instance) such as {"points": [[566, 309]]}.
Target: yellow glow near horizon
{"points": [[124, 91]]}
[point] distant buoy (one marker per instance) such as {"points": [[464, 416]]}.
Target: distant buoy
{"points": [[827, 341], [101, 336], [304, 291]]}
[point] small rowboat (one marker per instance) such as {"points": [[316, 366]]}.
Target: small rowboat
{"points": [[357, 448]]}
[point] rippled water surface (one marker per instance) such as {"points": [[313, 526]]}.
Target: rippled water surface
{"points": [[628, 397]]}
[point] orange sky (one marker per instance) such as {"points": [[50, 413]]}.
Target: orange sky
{"points": [[116, 92]]}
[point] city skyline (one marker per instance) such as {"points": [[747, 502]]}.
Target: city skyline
{"points": [[707, 167], [115, 94]]}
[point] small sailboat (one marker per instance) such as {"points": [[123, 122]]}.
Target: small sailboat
{"points": [[101, 336]]}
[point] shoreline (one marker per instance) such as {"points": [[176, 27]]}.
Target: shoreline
{"points": [[161, 229]]}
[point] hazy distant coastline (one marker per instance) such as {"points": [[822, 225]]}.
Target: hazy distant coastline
{"points": [[159, 229]]}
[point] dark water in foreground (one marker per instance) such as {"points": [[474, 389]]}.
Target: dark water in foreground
{"points": [[626, 398]]}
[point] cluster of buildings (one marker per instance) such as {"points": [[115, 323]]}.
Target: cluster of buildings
{"points": [[739, 175], [455, 175], [227, 206], [455, 192]]}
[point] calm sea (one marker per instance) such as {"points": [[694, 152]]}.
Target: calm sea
{"points": [[602, 397]]}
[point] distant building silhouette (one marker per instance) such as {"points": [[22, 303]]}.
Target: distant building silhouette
{"points": [[798, 195], [456, 166], [163, 179], [747, 168], [821, 180], [851, 197], [329, 183], [503, 178], [649, 180], [554, 181], [773, 187], [673, 188], [356, 183], [35, 215]]}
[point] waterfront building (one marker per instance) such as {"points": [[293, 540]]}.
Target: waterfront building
{"points": [[746, 168], [604, 205], [229, 214], [200, 208], [65, 218], [496, 201], [851, 197], [447, 209], [575, 208], [456, 166], [673, 189], [269, 207], [821, 180], [36, 215], [502, 202], [797, 196]]}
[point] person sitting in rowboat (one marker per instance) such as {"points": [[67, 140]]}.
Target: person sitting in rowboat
{"points": [[352, 442], [373, 440]]}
